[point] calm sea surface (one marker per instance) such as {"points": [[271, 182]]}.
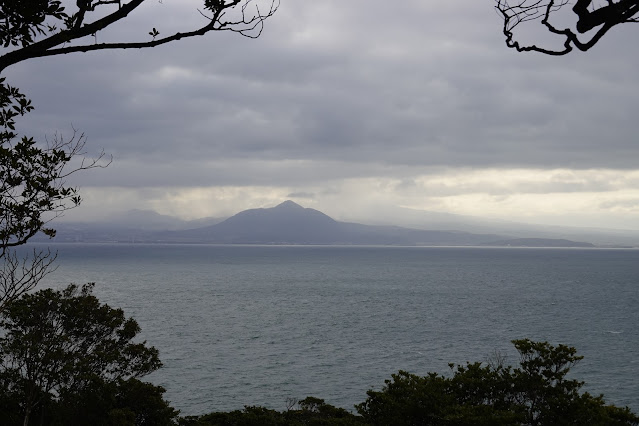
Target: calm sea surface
{"points": [[254, 325]]}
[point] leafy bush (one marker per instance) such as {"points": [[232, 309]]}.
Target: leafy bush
{"points": [[536, 393]]}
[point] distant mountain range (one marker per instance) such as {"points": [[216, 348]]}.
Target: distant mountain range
{"points": [[287, 223]]}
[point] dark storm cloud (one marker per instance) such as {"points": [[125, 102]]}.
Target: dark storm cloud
{"points": [[356, 88]]}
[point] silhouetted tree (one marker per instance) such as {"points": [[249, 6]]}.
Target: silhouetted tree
{"points": [[311, 412], [536, 393], [64, 354], [594, 18]]}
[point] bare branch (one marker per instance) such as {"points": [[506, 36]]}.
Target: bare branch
{"points": [[36, 192], [591, 17], [75, 147], [20, 276]]}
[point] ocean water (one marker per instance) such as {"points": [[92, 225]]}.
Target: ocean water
{"points": [[255, 325]]}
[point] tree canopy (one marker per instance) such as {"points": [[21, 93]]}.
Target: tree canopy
{"points": [[593, 19], [536, 393], [65, 355]]}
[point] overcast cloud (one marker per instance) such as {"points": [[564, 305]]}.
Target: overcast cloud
{"points": [[347, 107]]}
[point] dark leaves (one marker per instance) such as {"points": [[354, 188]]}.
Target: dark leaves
{"points": [[24, 20], [535, 393], [61, 346], [154, 33], [33, 190]]}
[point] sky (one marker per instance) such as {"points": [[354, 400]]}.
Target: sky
{"points": [[352, 108]]}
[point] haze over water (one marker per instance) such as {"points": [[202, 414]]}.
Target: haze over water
{"points": [[254, 325]]}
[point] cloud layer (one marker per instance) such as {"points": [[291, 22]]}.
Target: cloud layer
{"points": [[346, 103]]}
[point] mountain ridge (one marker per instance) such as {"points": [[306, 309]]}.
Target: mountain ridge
{"points": [[287, 223]]}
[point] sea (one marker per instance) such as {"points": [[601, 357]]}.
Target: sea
{"points": [[265, 325]]}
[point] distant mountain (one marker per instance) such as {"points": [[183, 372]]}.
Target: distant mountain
{"points": [[287, 223], [420, 219], [290, 223]]}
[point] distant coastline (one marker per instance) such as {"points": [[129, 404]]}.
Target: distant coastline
{"points": [[540, 242], [289, 224]]}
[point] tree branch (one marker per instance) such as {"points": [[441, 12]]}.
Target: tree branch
{"points": [[50, 45], [37, 49], [18, 277], [602, 19]]}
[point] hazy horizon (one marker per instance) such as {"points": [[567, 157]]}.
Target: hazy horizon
{"points": [[396, 216]]}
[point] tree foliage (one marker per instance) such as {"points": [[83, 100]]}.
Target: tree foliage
{"points": [[536, 393], [33, 178], [23, 20], [594, 18], [64, 354], [311, 411], [33, 191]]}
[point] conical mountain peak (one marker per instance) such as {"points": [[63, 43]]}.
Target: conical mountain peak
{"points": [[288, 204]]}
